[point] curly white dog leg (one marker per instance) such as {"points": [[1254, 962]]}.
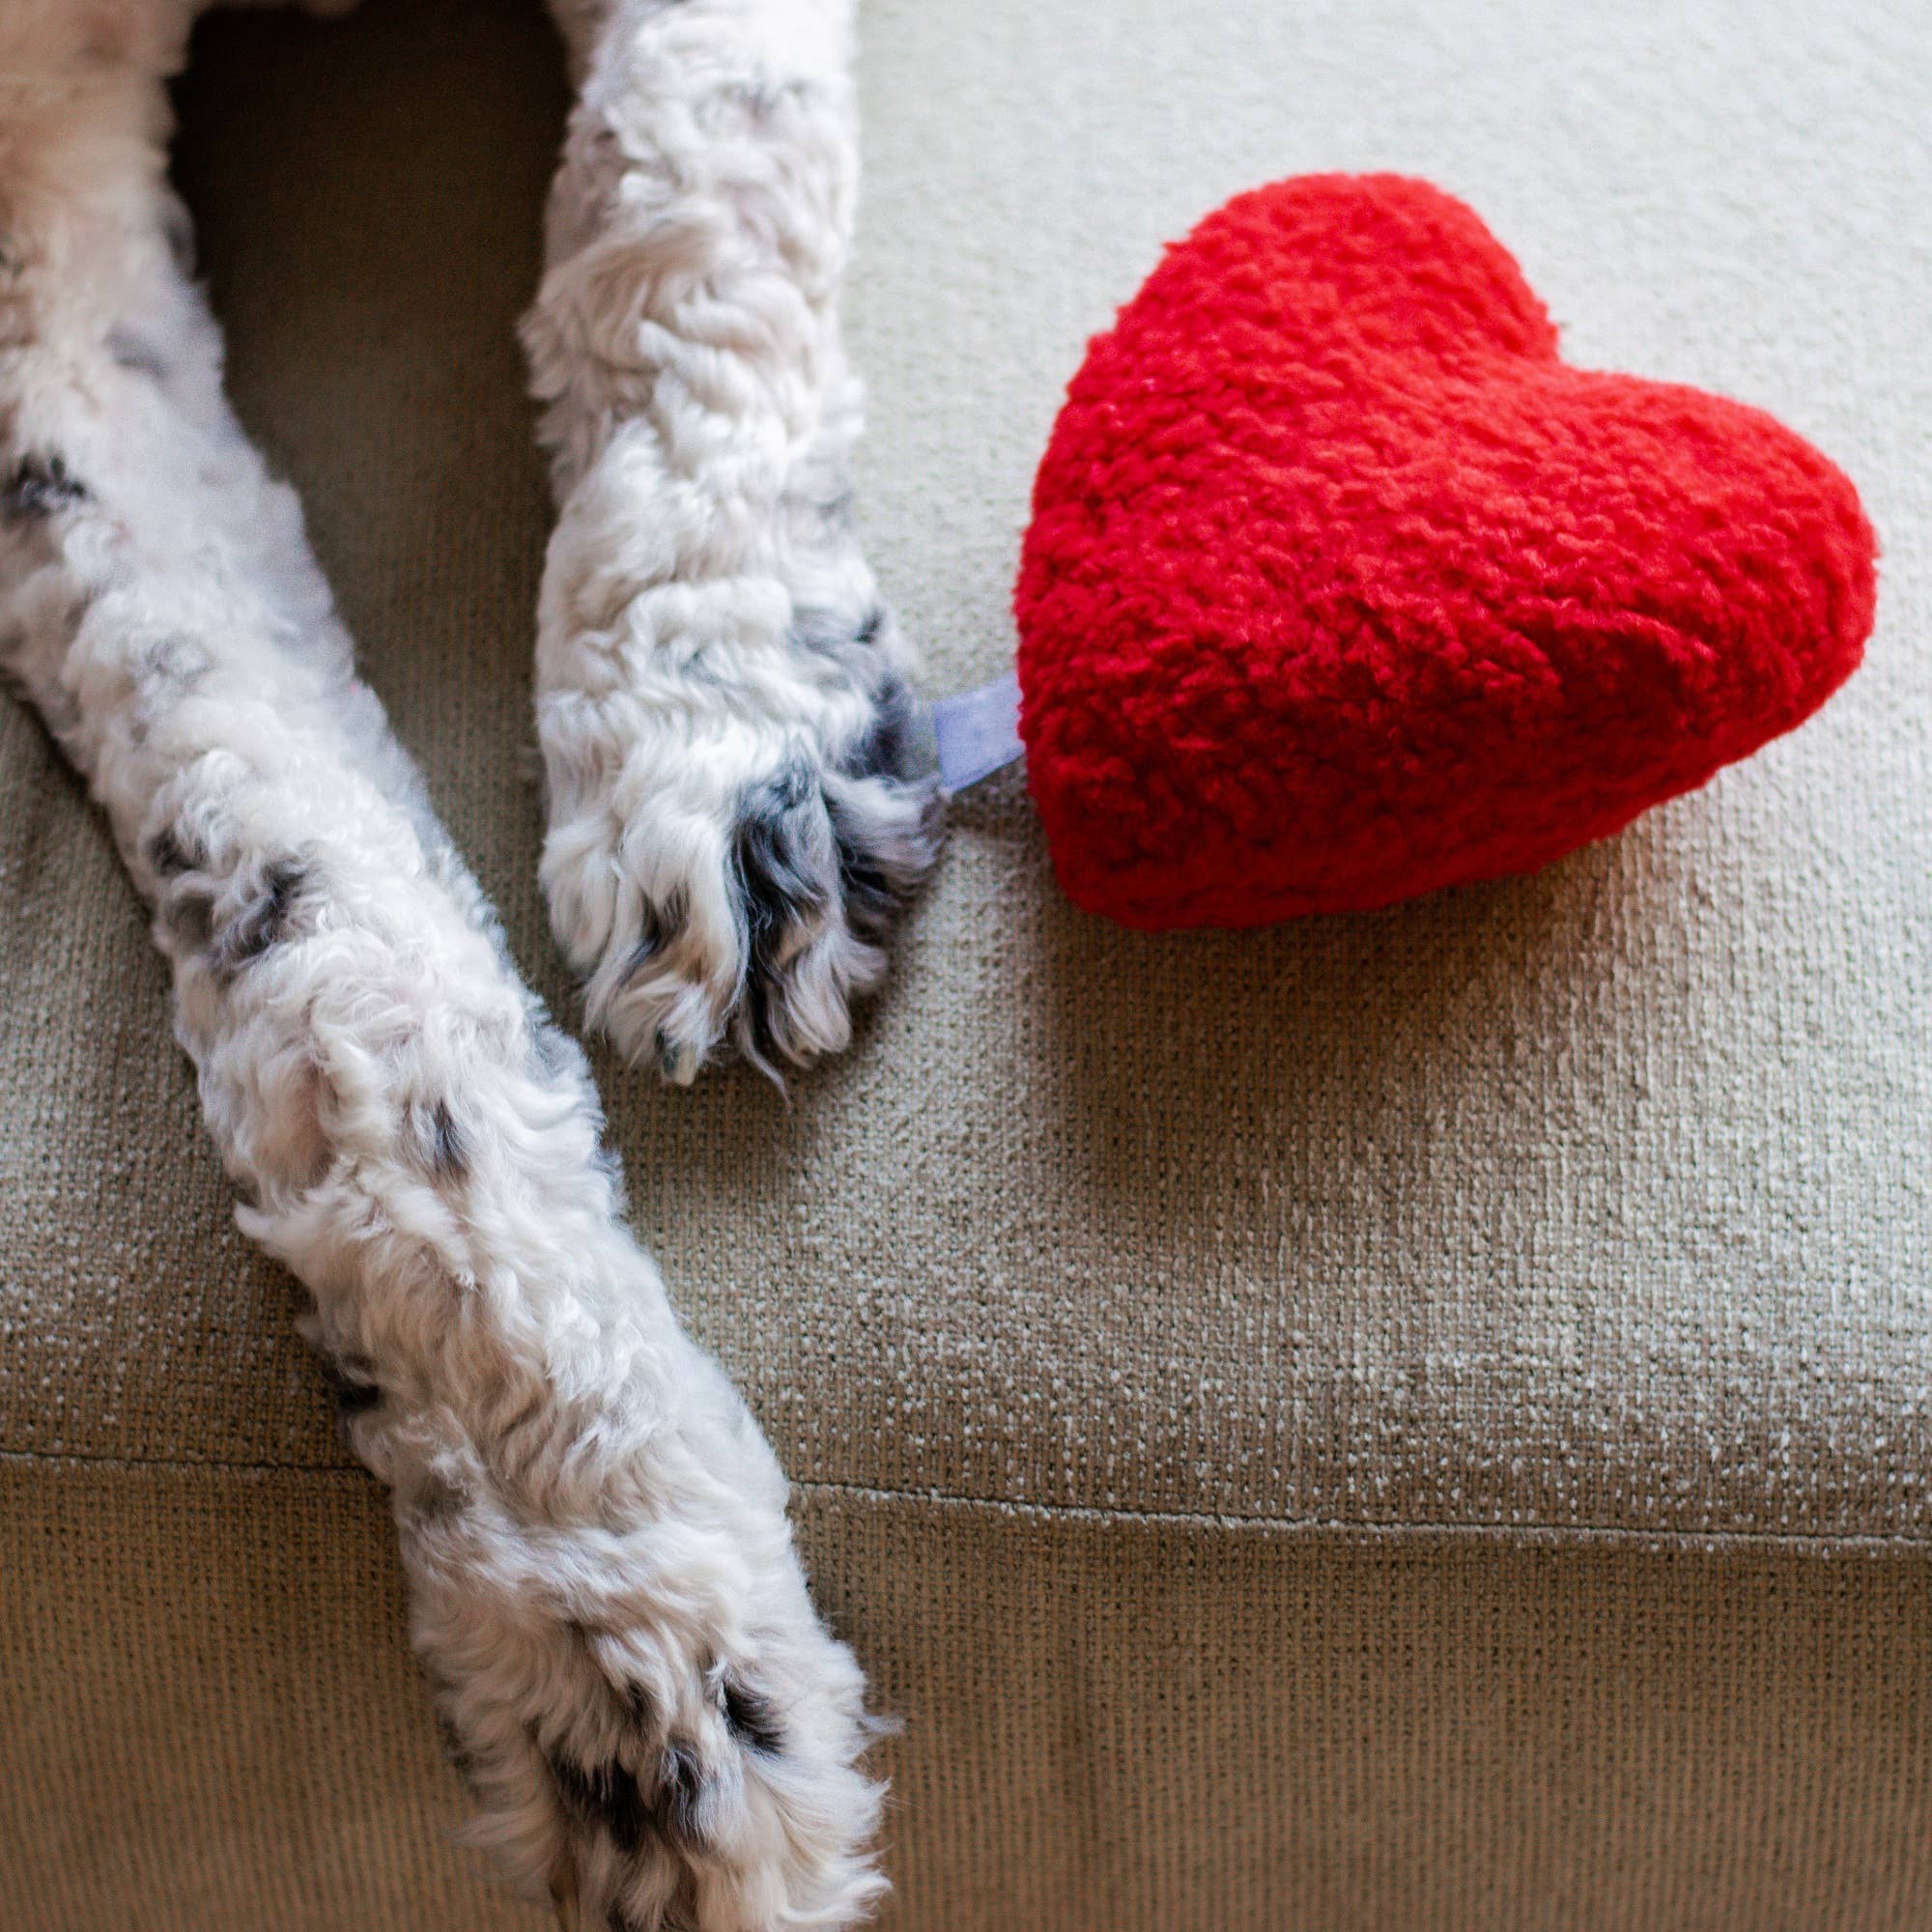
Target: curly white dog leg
{"points": [[735, 802], [604, 1586]]}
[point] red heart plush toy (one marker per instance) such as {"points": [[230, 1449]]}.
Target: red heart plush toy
{"points": [[1340, 586]]}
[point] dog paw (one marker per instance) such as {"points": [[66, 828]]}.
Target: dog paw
{"points": [[731, 842], [657, 1731]]}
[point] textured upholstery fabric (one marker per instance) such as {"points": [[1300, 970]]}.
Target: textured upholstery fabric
{"points": [[1117, 1723], [1410, 1419]]}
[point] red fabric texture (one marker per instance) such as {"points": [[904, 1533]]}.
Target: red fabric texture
{"points": [[1342, 586]]}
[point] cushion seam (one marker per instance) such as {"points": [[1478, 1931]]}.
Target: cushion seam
{"points": [[1475, 1529]]}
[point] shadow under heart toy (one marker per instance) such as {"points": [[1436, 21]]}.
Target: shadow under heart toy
{"points": [[1342, 586]]}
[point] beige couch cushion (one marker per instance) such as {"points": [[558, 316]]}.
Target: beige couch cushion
{"points": [[1114, 1724], [1178, 1342]]}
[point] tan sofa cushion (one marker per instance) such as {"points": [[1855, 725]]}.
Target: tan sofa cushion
{"points": [[1114, 1724]]}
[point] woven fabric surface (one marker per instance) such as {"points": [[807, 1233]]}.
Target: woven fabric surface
{"points": [[1590, 1206], [1113, 1725]]}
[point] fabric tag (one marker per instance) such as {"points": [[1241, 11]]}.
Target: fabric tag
{"points": [[978, 731]]}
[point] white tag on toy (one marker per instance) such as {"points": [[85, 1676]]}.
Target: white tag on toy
{"points": [[978, 731]]}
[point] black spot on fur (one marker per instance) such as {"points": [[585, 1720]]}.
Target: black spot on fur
{"points": [[170, 857], [879, 867], [772, 854], [891, 745], [445, 1147], [189, 912], [263, 924], [678, 1795], [666, 1052], [606, 1798], [831, 634], [781, 879], [455, 1750], [356, 1390], [354, 1394], [660, 925], [39, 487], [872, 903], [751, 1720]]}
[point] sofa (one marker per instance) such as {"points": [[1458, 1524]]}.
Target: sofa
{"points": [[1417, 1422]]}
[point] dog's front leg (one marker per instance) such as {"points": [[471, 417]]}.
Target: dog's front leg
{"points": [[733, 789], [604, 1586]]}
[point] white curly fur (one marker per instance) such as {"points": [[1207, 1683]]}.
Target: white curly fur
{"points": [[605, 1592], [721, 697]]}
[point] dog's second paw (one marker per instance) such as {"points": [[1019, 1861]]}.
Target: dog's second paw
{"points": [[654, 1724], [731, 841], [729, 1816]]}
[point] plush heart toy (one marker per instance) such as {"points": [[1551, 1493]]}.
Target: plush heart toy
{"points": [[1340, 586]]}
